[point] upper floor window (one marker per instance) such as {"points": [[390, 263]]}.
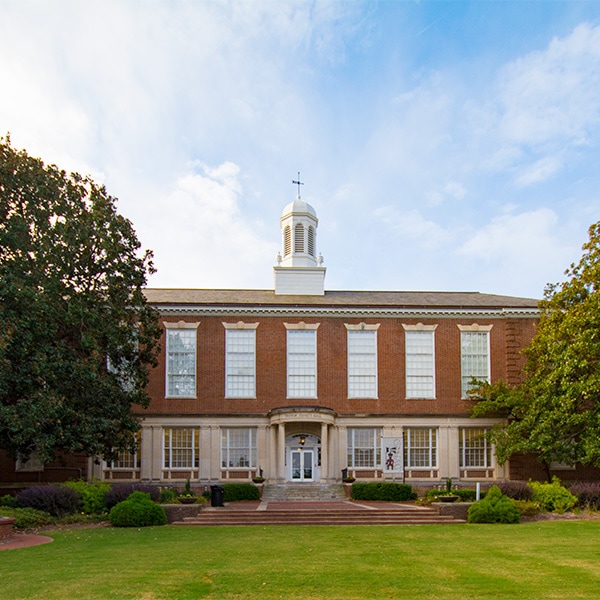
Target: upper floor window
{"points": [[301, 360], [474, 448], [420, 361], [240, 360], [362, 361], [181, 359], [474, 354], [364, 447]]}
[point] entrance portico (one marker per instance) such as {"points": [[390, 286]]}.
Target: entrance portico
{"points": [[301, 444]]}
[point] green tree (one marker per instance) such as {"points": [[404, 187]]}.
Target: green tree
{"points": [[77, 337], [555, 412]]}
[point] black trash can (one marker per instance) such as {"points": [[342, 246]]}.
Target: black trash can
{"points": [[217, 494]]}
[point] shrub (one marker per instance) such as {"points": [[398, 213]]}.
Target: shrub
{"points": [[137, 511], [494, 508], [167, 496], [553, 497], [53, 499], [27, 518], [240, 491], [92, 495], [383, 490], [122, 491], [9, 500], [588, 494], [517, 490]]}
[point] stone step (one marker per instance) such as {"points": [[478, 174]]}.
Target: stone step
{"points": [[299, 492], [293, 515]]}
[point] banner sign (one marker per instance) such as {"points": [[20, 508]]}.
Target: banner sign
{"points": [[392, 455]]}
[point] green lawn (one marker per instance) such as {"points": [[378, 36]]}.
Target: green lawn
{"points": [[530, 561]]}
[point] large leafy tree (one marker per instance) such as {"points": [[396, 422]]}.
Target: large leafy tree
{"points": [[555, 412], [77, 337]]}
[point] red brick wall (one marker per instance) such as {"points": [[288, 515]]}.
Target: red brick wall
{"points": [[507, 338]]}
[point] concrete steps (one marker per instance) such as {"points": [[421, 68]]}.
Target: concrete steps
{"points": [[304, 492], [314, 514]]}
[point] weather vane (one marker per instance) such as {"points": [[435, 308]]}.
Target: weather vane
{"points": [[298, 183]]}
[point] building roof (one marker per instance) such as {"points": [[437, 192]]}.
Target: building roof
{"points": [[337, 299]]}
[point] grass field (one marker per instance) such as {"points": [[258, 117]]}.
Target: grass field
{"points": [[530, 561]]}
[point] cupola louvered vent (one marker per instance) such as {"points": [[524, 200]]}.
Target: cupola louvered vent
{"points": [[299, 238]]}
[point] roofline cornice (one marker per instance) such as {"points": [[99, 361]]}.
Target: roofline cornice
{"points": [[291, 311]]}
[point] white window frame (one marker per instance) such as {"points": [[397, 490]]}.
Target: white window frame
{"points": [[362, 360], [127, 460], [362, 453], [235, 457], [177, 358], [174, 449], [240, 360], [420, 361], [421, 448], [473, 442], [301, 360], [474, 364]]}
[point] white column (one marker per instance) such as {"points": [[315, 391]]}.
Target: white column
{"points": [[271, 472], [342, 453], [281, 452], [205, 453], [324, 452]]}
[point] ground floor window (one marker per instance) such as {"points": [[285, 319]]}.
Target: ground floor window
{"points": [[238, 448], [129, 459], [475, 449], [181, 448], [364, 447], [420, 447]]}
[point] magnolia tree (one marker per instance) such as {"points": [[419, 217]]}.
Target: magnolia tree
{"points": [[555, 412], [77, 338]]}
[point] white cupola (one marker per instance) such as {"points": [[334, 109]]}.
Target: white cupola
{"points": [[299, 269]]}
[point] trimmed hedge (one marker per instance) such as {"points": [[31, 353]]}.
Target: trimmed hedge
{"points": [[137, 511], [383, 490], [53, 499], [233, 492], [494, 508], [464, 495]]}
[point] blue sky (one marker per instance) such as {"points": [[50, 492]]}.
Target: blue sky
{"points": [[444, 145]]}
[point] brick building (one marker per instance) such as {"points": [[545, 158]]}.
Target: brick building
{"points": [[300, 384]]}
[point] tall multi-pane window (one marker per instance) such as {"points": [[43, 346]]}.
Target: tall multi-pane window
{"points": [[474, 355], [240, 360], [181, 360], [474, 448], [238, 448], [362, 361], [364, 447], [181, 448], [420, 361], [420, 447], [301, 362]]}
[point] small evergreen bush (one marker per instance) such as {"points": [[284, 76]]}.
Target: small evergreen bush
{"points": [[53, 499], [167, 496], [494, 508], [27, 518], [137, 511], [553, 497], [233, 492], [9, 500], [588, 494], [383, 490], [517, 490], [122, 491], [92, 495]]}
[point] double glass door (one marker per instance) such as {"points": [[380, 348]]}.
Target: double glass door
{"points": [[302, 465]]}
